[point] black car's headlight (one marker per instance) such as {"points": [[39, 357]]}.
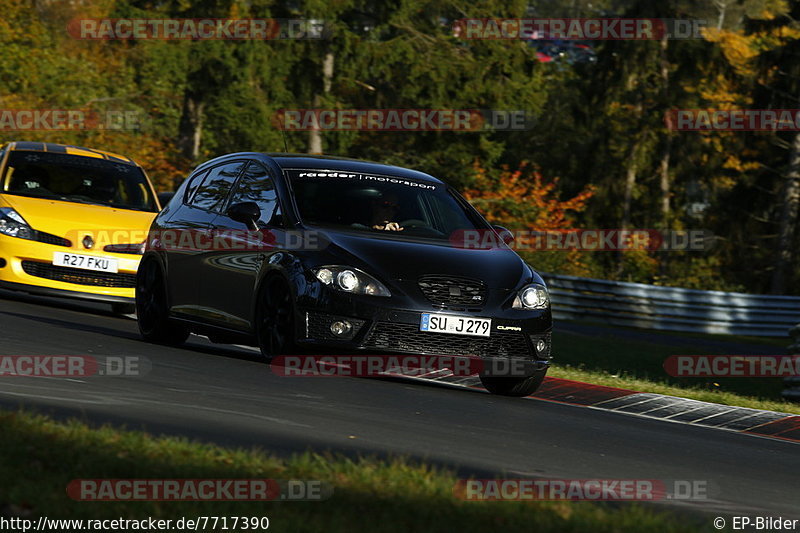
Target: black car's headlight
{"points": [[13, 225], [352, 280], [533, 296]]}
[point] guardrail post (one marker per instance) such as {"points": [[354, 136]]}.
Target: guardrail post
{"points": [[792, 390]]}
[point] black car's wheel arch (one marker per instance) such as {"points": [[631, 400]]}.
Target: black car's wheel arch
{"points": [[162, 267], [289, 272], [159, 328]]}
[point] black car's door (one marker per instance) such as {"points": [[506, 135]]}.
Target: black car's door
{"points": [[185, 221], [192, 237], [232, 277]]}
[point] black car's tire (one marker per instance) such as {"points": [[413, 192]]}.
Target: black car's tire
{"points": [[504, 386], [123, 309], [274, 320], [152, 311]]}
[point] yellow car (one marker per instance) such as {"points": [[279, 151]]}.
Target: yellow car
{"points": [[73, 222]]}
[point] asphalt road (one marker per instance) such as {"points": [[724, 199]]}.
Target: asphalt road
{"points": [[229, 396]]}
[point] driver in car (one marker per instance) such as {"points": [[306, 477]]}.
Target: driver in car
{"points": [[384, 209]]}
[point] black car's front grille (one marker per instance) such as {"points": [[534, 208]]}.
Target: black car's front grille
{"points": [[453, 292], [79, 276], [48, 238], [407, 338]]}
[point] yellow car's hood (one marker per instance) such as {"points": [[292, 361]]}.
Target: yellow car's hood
{"points": [[107, 225]]}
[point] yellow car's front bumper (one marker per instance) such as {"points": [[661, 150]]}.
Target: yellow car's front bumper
{"points": [[27, 265]]}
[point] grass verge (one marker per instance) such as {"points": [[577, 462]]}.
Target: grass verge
{"points": [[40, 457], [612, 359], [625, 381]]}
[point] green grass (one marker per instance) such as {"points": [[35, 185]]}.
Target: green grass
{"points": [[39, 457], [615, 361]]}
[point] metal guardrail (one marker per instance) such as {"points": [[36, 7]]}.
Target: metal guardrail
{"points": [[670, 308], [792, 390]]}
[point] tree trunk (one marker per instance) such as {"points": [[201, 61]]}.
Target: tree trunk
{"points": [[722, 7], [630, 182], [663, 169], [627, 199], [190, 128], [664, 182], [314, 135], [788, 222]]}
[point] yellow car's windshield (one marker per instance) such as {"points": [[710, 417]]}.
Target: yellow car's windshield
{"points": [[78, 179]]}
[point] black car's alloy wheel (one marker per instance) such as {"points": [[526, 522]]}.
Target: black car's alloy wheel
{"points": [[152, 310], [274, 325]]}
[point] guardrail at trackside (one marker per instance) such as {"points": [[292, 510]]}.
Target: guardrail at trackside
{"points": [[792, 390], [670, 308]]}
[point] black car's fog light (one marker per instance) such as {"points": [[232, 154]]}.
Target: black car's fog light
{"points": [[341, 328], [542, 344], [322, 327]]}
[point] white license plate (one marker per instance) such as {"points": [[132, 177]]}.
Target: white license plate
{"points": [[86, 262], [457, 325]]}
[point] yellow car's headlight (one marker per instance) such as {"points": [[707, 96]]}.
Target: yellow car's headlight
{"points": [[13, 225]]}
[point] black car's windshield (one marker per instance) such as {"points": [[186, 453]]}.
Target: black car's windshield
{"points": [[79, 179], [379, 204]]}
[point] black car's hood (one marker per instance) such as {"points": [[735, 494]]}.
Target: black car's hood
{"points": [[400, 259]]}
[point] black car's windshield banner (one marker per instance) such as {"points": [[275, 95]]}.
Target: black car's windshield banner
{"points": [[355, 176]]}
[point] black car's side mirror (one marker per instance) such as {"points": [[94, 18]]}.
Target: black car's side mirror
{"points": [[246, 212], [504, 233]]}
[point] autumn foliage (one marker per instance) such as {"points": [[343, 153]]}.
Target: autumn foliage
{"points": [[522, 199]]}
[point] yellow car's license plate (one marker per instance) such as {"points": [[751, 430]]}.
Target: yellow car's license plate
{"points": [[85, 262], [457, 325]]}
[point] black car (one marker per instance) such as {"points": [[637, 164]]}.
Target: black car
{"points": [[355, 256]]}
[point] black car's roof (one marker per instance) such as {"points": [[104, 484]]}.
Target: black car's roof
{"points": [[326, 162]]}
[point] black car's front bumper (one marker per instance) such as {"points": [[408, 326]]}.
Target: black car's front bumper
{"points": [[378, 327]]}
